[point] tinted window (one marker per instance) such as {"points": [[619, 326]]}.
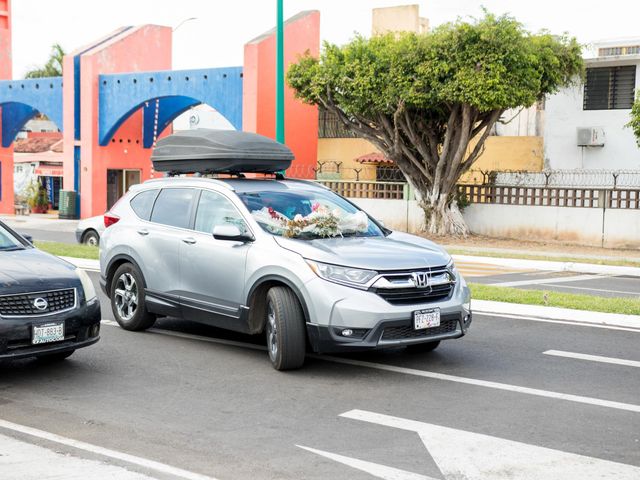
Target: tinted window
{"points": [[8, 241], [143, 203], [172, 207], [214, 209]]}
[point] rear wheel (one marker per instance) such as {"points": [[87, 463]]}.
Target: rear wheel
{"points": [[128, 299], [285, 329], [423, 347], [54, 357], [91, 238]]}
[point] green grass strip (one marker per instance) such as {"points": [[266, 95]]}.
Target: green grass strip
{"points": [[69, 250], [551, 258], [628, 306]]}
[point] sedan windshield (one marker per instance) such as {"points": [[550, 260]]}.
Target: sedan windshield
{"points": [[8, 241], [308, 214]]}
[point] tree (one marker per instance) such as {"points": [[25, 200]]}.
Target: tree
{"points": [[634, 124], [53, 67], [422, 98]]}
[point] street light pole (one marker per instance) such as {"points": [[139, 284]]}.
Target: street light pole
{"points": [[280, 73]]}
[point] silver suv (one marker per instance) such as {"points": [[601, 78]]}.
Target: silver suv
{"points": [[286, 257]]}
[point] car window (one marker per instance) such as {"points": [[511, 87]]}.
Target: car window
{"points": [[8, 241], [172, 207], [143, 203], [215, 209]]}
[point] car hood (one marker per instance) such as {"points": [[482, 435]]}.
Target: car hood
{"points": [[397, 251], [31, 270]]}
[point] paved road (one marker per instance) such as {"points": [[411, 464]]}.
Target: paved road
{"points": [[48, 235], [208, 402]]}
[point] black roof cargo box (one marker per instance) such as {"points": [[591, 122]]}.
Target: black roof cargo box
{"points": [[219, 151]]}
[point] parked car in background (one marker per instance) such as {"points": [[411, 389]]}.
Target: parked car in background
{"points": [[48, 307], [90, 230]]}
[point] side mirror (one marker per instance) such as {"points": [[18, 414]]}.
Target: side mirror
{"points": [[28, 238], [232, 233]]}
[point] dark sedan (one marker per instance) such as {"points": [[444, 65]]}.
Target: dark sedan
{"points": [[48, 307]]}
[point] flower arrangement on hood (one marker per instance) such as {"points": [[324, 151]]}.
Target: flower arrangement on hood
{"points": [[322, 221]]}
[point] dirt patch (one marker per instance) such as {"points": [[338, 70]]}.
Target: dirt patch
{"points": [[532, 247]]}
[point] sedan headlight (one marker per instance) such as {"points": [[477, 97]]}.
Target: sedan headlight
{"points": [[87, 285], [352, 277]]}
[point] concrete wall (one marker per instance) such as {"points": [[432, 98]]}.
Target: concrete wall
{"points": [[403, 18], [579, 226], [564, 114]]}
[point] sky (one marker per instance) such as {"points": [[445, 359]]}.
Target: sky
{"points": [[217, 35]]}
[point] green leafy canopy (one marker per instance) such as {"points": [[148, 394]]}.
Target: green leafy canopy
{"points": [[490, 63], [634, 124]]}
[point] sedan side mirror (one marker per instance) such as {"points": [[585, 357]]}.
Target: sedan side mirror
{"points": [[232, 233], [28, 238]]}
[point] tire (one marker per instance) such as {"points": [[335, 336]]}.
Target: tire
{"points": [[423, 347], [54, 357], [128, 299], [91, 237], [285, 329]]}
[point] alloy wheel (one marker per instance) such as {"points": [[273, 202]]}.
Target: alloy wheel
{"points": [[126, 296]]}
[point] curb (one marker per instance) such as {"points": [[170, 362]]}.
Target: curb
{"points": [[537, 312], [551, 266], [84, 263]]}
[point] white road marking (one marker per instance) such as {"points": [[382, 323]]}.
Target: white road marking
{"points": [[472, 456], [592, 289], [29, 462], [485, 383], [593, 358], [542, 281], [375, 469], [420, 373], [105, 452]]}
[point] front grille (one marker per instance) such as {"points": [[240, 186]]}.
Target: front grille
{"points": [[25, 304], [407, 331], [409, 296], [398, 287]]}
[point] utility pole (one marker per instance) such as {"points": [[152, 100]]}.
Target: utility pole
{"points": [[280, 73]]}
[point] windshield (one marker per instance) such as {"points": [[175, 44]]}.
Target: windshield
{"points": [[8, 241], [308, 214]]}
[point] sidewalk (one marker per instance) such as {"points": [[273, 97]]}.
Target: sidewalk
{"points": [[39, 221]]}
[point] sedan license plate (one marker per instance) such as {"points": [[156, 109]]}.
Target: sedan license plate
{"points": [[426, 319], [51, 332]]}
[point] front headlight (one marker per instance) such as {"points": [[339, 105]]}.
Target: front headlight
{"points": [[87, 285], [352, 277]]}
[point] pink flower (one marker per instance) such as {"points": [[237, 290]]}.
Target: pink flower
{"points": [[272, 212], [315, 207]]}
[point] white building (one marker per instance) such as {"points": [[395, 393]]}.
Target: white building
{"points": [[584, 126]]}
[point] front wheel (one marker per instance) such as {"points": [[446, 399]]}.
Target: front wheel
{"points": [[285, 329], [128, 299]]}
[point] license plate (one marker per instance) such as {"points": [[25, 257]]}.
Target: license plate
{"points": [[51, 332], [426, 319]]}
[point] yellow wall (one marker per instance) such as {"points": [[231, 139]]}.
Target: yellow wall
{"points": [[403, 18], [345, 150], [507, 153]]}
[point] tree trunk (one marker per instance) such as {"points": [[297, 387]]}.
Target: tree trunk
{"points": [[442, 215]]}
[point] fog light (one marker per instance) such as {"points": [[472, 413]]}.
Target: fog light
{"points": [[347, 332], [467, 319]]}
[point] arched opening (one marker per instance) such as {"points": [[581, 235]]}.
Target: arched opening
{"points": [[37, 156]]}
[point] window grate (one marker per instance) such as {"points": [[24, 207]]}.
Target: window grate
{"points": [[609, 88]]}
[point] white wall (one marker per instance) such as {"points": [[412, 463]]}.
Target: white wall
{"points": [[580, 226], [564, 114]]}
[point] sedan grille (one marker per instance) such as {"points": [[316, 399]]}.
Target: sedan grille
{"points": [[407, 331], [37, 303]]}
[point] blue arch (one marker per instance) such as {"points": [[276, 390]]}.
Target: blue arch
{"points": [[21, 100], [120, 95]]}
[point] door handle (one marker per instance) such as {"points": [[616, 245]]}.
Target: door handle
{"points": [[143, 232], [189, 240]]}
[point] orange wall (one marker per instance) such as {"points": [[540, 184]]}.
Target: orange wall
{"points": [[302, 33], [6, 154], [128, 51]]}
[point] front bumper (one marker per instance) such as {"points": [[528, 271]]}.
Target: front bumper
{"points": [[81, 329], [375, 322], [79, 235]]}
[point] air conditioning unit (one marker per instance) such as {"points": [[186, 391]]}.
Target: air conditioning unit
{"points": [[591, 137]]}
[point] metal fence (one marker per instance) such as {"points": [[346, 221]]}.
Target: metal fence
{"points": [[561, 178]]}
